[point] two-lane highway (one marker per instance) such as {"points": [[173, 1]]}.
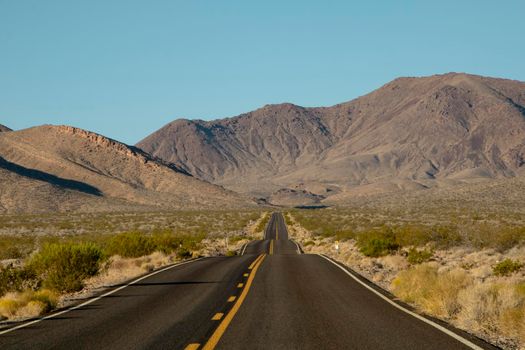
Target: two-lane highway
{"points": [[302, 301], [271, 297]]}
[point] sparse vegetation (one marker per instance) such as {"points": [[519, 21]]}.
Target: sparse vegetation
{"points": [[441, 228], [263, 222], [59, 252], [507, 267]]}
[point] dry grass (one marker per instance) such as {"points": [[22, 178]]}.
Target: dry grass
{"points": [[494, 308], [434, 292], [27, 304]]}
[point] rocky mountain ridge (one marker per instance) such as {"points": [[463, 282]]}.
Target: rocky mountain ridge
{"points": [[66, 168], [412, 133]]}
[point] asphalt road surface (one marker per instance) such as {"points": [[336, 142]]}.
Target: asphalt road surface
{"points": [[270, 297]]}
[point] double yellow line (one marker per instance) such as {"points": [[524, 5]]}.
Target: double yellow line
{"points": [[216, 336], [271, 241]]}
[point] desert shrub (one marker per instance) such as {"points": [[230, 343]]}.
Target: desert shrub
{"points": [[416, 256], [445, 236], [28, 303], [494, 306], [16, 247], [165, 242], [17, 279], [287, 219], [235, 238], [64, 266], [507, 267], [184, 253], [412, 235], [131, 245], [8, 307], [45, 296], [432, 291], [231, 253], [377, 243], [135, 244], [264, 221], [501, 238], [308, 243], [344, 234]]}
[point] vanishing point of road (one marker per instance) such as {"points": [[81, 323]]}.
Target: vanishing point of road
{"points": [[271, 296]]}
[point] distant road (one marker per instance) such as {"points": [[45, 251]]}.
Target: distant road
{"points": [[271, 297]]}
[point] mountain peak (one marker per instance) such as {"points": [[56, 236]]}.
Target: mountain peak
{"points": [[412, 129], [82, 163]]}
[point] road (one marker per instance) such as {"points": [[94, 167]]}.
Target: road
{"points": [[271, 297]]}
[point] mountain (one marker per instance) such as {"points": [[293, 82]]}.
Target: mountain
{"points": [[4, 128], [50, 168], [412, 133]]}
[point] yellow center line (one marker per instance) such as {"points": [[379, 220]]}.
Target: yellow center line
{"points": [[217, 316], [271, 247], [232, 299], [246, 274], [192, 346], [276, 232], [216, 336], [240, 285], [254, 262]]}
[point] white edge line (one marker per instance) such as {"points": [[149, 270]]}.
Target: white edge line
{"points": [[23, 325], [243, 250], [419, 317]]}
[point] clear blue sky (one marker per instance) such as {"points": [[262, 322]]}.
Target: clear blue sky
{"points": [[124, 68]]}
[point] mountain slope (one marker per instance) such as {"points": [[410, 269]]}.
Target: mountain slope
{"points": [[410, 133], [58, 161], [4, 128]]}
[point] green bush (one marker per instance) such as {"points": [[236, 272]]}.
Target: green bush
{"points": [[307, 243], [412, 235], [507, 267], [377, 247], [166, 242], [183, 253], [418, 256], [17, 279], [64, 266], [377, 243], [131, 245]]}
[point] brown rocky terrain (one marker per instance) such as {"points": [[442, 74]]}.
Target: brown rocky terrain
{"points": [[51, 168], [412, 133], [294, 197], [4, 128]]}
